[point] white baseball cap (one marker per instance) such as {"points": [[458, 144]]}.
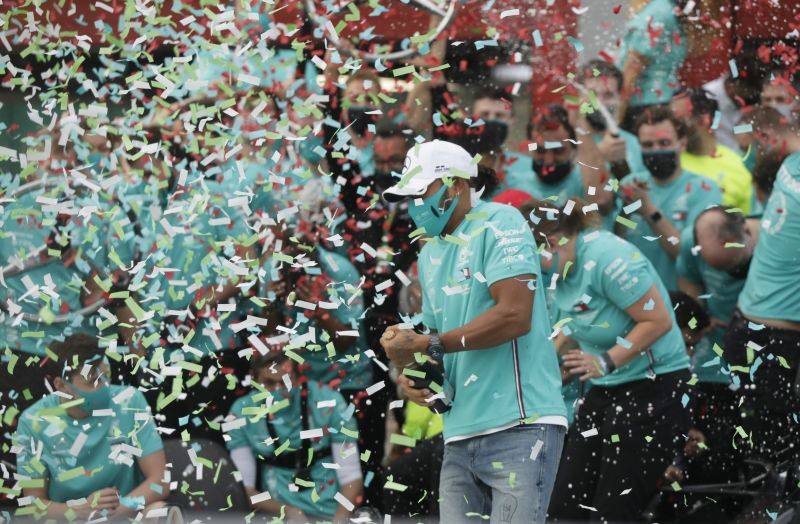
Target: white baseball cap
{"points": [[431, 161]]}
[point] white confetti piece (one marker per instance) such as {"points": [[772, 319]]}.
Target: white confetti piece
{"points": [[80, 440], [341, 499], [536, 449], [375, 388], [589, 433], [260, 497], [311, 433]]}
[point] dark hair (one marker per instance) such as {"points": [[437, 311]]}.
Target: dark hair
{"points": [[656, 115], [492, 93], [71, 354], [388, 130], [606, 69], [764, 118], [686, 308], [487, 178], [766, 169], [731, 226], [547, 218], [702, 102], [551, 117]]}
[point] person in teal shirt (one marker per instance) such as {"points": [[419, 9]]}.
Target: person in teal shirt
{"points": [[477, 272], [712, 265], [615, 307], [269, 422], [664, 199], [98, 452], [651, 52], [768, 317]]}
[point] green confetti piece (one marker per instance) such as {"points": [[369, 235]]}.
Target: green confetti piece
{"points": [[400, 71], [402, 440], [675, 486], [413, 373], [497, 465], [615, 439], [630, 224], [71, 474]]}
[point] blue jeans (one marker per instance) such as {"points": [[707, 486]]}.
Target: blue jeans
{"points": [[494, 475]]}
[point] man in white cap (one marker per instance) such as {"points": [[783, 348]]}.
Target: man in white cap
{"points": [[505, 419]]}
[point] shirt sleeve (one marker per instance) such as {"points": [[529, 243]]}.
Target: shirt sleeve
{"points": [[623, 273], [146, 432], [706, 193], [509, 249], [686, 264], [25, 439], [428, 319], [238, 435]]}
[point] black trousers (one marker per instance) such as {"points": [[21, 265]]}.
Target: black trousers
{"points": [[418, 469], [770, 404], [616, 472], [371, 420]]}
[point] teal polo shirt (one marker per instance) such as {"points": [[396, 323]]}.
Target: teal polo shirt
{"points": [[655, 33], [519, 379], [327, 410], [351, 369], [772, 289], [520, 175], [680, 202], [722, 292], [610, 275], [107, 458]]}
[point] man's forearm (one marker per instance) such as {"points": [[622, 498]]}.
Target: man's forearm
{"points": [[482, 332], [146, 491], [641, 337], [351, 492]]}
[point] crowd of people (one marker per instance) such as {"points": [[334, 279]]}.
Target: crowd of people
{"points": [[374, 301]]}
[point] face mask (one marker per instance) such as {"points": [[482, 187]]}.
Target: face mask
{"points": [[430, 216], [552, 174], [740, 272], [661, 164], [492, 136], [383, 180], [359, 119], [597, 121], [93, 400], [311, 149]]}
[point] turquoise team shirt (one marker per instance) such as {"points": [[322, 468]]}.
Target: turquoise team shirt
{"points": [[770, 291], [655, 33], [723, 291], [519, 379], [609, 276], [520, 175], [680, 202], [47, 287], [351, 369], [336, 420], [106, 459]]}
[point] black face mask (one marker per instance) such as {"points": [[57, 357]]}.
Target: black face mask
{"points": [[552, 174], [597, 121], [661, 164], [383, 180], [359, 119], [740, 272], [487, 138]]}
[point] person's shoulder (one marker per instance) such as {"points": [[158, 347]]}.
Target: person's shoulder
{"points": [[606, 250], [636, 176], [244, 401], [34, 410], [792, 165]]}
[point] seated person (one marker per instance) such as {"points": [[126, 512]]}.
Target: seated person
{"points": [[270, 423], [98, 453]]}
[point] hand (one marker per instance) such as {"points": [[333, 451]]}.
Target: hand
{"points": [[102, 499], [417, 396], [639, 190], [402, 344], [584, 364], [294, 514], [693, 447], [612, 148], [674, 473], [312, 289]]}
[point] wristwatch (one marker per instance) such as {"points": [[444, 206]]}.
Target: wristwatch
{"points": [[435, 348], [655, 217]]}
